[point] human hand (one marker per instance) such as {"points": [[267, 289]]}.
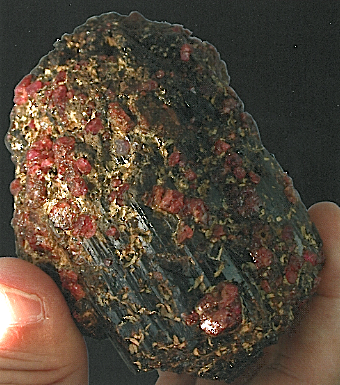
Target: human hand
{"points": [[43, 346], [52, 350]]}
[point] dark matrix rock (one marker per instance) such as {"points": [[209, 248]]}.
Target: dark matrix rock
{"points": [[143, 189]]}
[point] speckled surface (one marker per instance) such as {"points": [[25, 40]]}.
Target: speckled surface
{"points": [[143, 188], [252, 110]]}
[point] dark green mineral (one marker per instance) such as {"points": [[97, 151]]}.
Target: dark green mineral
{"points": [[143, 188]]}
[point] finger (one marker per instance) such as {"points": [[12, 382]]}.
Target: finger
{"points": [[168, 378], [326, 217], [42, 344], [310, 354]]}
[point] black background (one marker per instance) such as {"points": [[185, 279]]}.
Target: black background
{"points": [[284, 61]]}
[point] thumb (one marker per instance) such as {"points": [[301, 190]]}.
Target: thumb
{"points": [[39, 342]]}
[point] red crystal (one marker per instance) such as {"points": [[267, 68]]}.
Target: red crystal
{"points": [[59, 95], [69, 280], [113, 232], [221, 146], [186, 50], [311, 257], [15, 187], [61, 77], [239, 172], [94, 126], [77, 186], [33, 88], [172, 201], [198, 209], [255, 178], [119, 117], [220, 310], [122, 147], [85, 226], [116, 182], [20, 91], [62, 215], [184, 232], [174, 158], [218, 231], [262, 257], [190, 175], [63, 145], [83, 165]]}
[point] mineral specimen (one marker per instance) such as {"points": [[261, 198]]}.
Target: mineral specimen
{"points": [[143, 189]]}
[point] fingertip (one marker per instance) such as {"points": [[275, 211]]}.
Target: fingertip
{"points": [[326, 217], [18, 309], [41, 330], [27, 280], [27, 288], [169, 378]]}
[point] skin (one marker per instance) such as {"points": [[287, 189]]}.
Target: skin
{"points": [[52, 351]]}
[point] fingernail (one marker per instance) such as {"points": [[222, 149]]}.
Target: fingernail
{"points": [[21, 308]]}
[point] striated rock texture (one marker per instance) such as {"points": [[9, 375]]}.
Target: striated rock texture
{"points": [[143, 189]]}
